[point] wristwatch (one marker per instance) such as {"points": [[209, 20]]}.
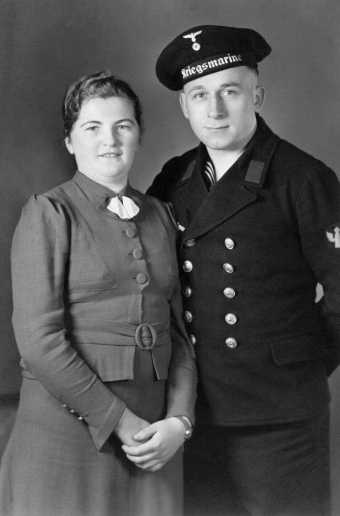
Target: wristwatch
{"points": [[188, 428]]}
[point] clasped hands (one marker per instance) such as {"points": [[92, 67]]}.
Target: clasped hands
{"points": [[149, 446]]}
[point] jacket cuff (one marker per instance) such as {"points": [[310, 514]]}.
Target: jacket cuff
{"points": [[101, 434]]}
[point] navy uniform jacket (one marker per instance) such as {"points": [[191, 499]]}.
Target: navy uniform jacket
{"points": [[252, 251]]}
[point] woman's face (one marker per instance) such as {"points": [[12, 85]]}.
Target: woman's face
{"points": [[104, 139]]}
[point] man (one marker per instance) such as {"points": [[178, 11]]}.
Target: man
{"points": [[259, 226]]}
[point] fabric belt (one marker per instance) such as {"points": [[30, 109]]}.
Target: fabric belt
{"points": [[145, 335]]}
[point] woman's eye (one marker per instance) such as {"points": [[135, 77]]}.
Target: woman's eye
{"points": [[124, 127], [92, 128]]}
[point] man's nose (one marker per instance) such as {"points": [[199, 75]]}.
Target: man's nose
{"points": [[217, 108]]}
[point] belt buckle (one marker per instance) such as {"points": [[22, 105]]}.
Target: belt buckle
{"points": [[145, 336]]}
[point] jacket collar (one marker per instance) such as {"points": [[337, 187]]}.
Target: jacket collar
{"points": [[99, 194], [238, 188]]}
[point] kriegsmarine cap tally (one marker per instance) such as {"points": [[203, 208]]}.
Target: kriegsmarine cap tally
{"points": [[207, 49]]}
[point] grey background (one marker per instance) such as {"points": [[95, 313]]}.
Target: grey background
{"points": [[46, 44]]}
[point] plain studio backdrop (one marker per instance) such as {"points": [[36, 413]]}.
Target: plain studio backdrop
{"points": [[46, 44]]}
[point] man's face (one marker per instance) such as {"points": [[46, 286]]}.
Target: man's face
{"points": [[221, 107]]}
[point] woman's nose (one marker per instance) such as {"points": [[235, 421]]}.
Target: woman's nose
{"points": [[110, 137]]}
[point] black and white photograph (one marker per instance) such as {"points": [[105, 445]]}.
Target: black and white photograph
{"points": [[170, 258]]}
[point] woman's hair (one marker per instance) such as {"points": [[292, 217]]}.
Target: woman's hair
{"points": [[100, 84]]}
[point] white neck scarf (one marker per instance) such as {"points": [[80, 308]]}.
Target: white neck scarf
{"points": [[123, 206]]}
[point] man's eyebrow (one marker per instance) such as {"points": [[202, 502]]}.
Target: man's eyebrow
{"points": [[231, 84]]}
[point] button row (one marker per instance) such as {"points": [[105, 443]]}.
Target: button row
{"points": [[230, 318], [188, 267], [228, 242], [230, 342], [73, 412]]}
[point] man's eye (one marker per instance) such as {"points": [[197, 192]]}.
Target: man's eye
{"points": [[199, 95], [229, 92], [92, 128]]}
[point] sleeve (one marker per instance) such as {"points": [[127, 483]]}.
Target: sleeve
{"points": [[182, 378], [318, 208], [39, 259]]}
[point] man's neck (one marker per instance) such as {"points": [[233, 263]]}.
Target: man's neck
{"points": [[223, 159]]}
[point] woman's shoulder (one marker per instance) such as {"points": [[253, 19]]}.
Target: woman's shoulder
{"points": [[47, 209], [51, 201]]}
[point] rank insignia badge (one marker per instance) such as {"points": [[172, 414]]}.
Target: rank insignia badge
{"points": [[333, 236]]}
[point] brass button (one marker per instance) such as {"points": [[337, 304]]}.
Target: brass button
{"points": [[229, 243], [141, 278], [187, 292], [231, 343], [190, 243], [187, 266], [188, 316], [229, 292], [193, 339], [137, 253], [230, 319], [228, 268]]}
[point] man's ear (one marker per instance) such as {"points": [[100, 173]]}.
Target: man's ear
{"points": [[259, 96], [183, 103], [68, 145]]}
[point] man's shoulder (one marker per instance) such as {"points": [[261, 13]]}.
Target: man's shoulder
{"points": [[294, 158], [182, 160], [297, 165], [172, 173]]}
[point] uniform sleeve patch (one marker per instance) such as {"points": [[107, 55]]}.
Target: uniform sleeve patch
{"points": [[333, 235]]}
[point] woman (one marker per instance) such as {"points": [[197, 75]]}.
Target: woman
{"points": [[108, 384]]}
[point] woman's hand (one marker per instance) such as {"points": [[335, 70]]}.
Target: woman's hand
{"points": [[159, 442], [128, 426]]}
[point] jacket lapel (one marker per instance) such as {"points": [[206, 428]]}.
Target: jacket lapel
{"points": [[237, 189], [191, 192], [226, 198]]}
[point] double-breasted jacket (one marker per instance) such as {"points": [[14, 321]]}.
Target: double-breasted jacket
{"points": [[251, 251]]}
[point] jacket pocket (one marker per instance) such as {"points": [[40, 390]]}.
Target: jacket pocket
{"points": [[300, 348]]}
